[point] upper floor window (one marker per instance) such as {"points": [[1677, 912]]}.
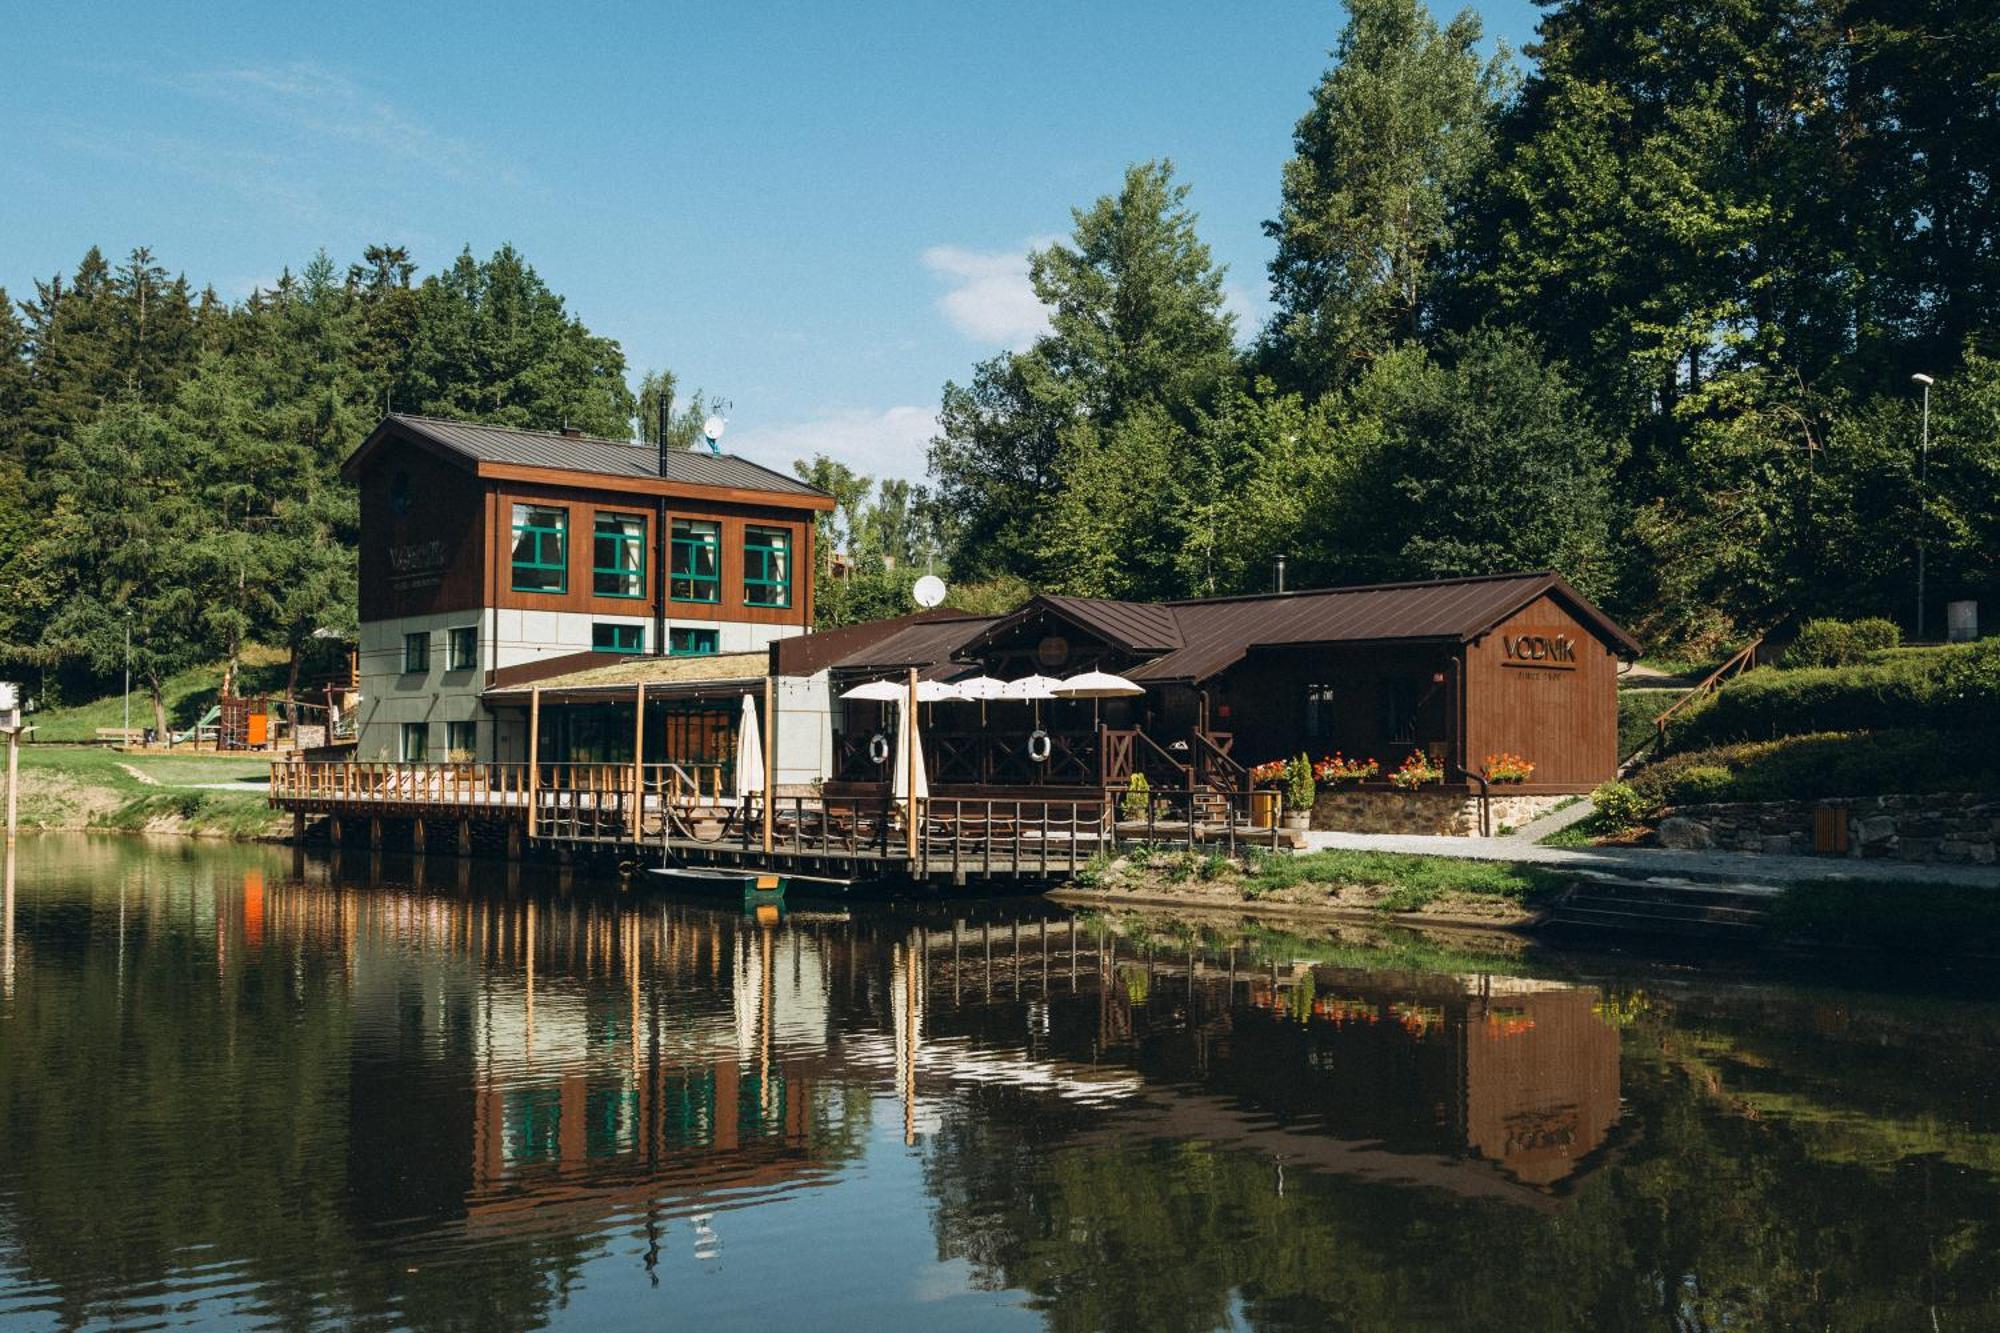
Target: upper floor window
{"points": [[767, 567], [461, 648], [618, 556], [697, 569], [541, 549], [416, 653]]}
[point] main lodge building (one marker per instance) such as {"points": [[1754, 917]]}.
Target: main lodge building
{"points": [[624, 602]]}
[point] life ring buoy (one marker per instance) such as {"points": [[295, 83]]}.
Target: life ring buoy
{"points": [[1039, 746], [878, 748]]}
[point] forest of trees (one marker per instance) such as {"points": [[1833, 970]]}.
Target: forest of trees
{"points": [[169, 463], [1645, 312]]}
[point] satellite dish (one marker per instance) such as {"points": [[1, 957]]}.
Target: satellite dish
{"points": [[712, 428], [929, 591]]}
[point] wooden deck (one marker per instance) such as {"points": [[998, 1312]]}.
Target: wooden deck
{"points": [[666, 812]]}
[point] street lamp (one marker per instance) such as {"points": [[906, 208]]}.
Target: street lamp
{"points": [[1923, 472], [128, 676]]}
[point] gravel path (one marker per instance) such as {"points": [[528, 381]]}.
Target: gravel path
{"points": [[1655, 862]]}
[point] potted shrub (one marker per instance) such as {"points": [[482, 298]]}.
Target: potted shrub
{"points": [[1505, 767], [1415, 772], [1138, 798], [1300, 792]]}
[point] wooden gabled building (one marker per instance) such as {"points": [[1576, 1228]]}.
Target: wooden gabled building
{"points": [[491, 556]]}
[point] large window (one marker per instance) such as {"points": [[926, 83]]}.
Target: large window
{"points": [[541, 549], [1319, 712], [416, 654], [767, 567], [697, 571], [618, 556], [416, 742], [461, 648], [618, 638], [683, 641], [461, 741]]}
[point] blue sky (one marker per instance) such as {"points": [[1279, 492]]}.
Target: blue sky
{"points": [[818, 211]]}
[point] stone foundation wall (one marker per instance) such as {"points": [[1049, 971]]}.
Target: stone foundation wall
{"points": [[1446, 813], [1954, 827]]}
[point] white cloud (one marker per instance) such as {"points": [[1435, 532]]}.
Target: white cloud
{"points": [[990, 299], [875, 442], [1250, 308]]}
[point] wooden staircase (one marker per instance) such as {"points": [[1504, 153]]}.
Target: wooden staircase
{"points": [[1714, 912]]}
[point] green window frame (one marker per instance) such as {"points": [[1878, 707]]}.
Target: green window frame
{"points": [[688, 641], [416, 653], [415, 742], [461, 648], [767, 567], [541, 549], [613, 638], [696, 575], [618, 555]]}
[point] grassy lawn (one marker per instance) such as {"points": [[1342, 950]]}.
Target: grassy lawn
{"points": [[1412, 880], [70, 787], [1889, 914], [188, 695]]}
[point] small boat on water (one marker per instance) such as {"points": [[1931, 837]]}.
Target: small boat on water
{"points": [[709, 879]]}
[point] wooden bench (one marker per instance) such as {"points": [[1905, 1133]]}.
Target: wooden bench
{"points": [[126, 736]]}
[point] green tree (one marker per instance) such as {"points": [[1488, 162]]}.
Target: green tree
{"points": [[1398, 128], [1138, 354]]}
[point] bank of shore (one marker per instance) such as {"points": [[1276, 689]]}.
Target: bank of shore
{"points": [[81, 789]]}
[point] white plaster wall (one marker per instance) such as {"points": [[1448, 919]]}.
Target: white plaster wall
{"points": [[389, 698]]}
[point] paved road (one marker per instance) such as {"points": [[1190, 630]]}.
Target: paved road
{"points": [[1650, 862]]}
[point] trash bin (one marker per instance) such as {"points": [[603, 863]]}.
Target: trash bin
{"points": [[1264, 809]]}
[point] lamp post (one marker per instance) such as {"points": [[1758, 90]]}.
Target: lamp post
{"points": [[1923, 473], [128, 676]]}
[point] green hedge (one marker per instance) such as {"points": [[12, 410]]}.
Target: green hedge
{"points": [[1953, 690], [1903, 761], [1828, 643]]}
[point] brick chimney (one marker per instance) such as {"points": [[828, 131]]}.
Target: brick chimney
{"points": [[572, 433]]}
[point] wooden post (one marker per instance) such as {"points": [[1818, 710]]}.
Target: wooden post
{"points": [[770, 755], [639, 763], [534, 750], [375, 833], [910, 766], [418, 843], [333, 830], [465, 837]]}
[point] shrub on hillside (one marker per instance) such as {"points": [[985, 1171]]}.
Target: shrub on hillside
{"points": [[1956, 689], [1832, 643], [1616, 806], [1907, 761]]}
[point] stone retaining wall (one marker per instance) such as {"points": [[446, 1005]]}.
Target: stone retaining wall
{"points": [[1959, 827], [1447, 813]]}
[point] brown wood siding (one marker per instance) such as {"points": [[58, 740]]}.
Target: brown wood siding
{"points": [[1262, 701], [426, 558], [1560, 716], [584, 505]]}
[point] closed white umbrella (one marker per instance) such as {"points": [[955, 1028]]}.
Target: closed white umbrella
{"points": [[877, 691], [749, 752], [910, 773]]}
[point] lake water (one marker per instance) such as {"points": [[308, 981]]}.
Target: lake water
{"points": [[239, 1088]]}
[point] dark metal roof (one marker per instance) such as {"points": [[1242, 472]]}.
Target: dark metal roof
{"points": [[1194, 640], [586, 453], [927, 645], [1218, 633]]}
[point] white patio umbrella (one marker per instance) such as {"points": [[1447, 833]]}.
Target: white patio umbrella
{"points": [[910, 773], [749, 752], [877, 691], [1096, 685], [981, 688], [936, 691], [1036, 688]]}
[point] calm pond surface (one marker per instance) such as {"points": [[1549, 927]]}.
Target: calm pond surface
{"points": [[243, 1089]]}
